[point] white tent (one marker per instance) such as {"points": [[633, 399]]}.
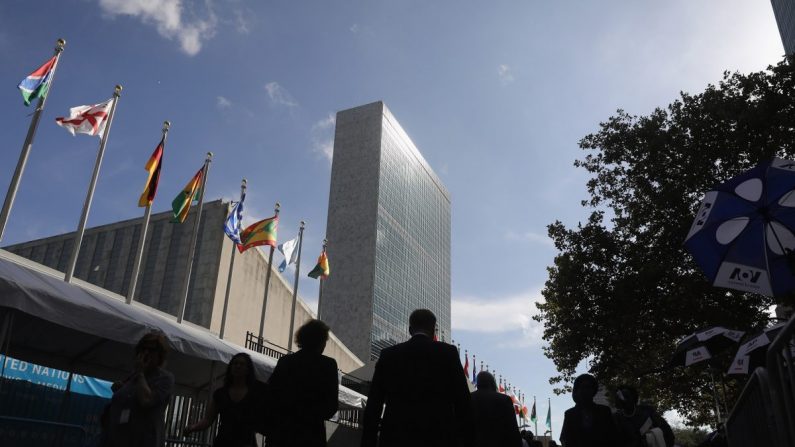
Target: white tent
{"points": [[87, 330]]}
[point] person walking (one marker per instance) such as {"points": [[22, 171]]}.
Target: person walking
{"points": [[639, 425], [135, 416], [587, 424], [422, 384], [305, 389], [493, 415], [238, 402]]}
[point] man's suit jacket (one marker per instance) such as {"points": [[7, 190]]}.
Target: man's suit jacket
{"points": [[495, 420], [427, 399], [305, 388]]}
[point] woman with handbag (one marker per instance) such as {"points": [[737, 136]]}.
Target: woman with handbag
{"points": [[640, 425]]}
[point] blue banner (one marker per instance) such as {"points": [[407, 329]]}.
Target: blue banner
{"points": [[53, 378]]}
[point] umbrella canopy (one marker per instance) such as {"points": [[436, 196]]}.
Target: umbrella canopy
{"points": [[702, 345], [751, 354], [743, 235]]}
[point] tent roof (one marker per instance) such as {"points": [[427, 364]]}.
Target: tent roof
{"points": [[87, 330]]}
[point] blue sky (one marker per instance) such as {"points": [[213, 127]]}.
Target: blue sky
{"points": [[495, 94]]}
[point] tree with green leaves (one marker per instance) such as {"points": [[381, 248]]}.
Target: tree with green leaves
{"points": [[623, 289]]}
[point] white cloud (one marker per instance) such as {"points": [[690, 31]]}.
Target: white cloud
{"points": [[500, 315], [504, 72], [242, 22], [168, 16], [323, 136], [279, 95], [223, 103], [530, 237], [354, 28]]}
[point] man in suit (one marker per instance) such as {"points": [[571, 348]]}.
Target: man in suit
{"points": [[493, 415], [422, 384]]}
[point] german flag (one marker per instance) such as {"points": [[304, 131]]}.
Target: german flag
{"points": [[153, 166]]}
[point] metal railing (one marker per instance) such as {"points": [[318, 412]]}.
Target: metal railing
{"points": [[349, 417], [765, 411], [259, 344]]}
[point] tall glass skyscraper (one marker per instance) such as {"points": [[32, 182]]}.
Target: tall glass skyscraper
{"points": [[784, 11], [388, 234]]}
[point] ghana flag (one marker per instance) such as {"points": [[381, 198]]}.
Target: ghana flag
{"points": [[259, 233], [153, 166], [322, 268], [190, 193]]}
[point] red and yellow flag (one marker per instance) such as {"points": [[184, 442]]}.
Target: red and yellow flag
{"points": [[153, 166], [259, 233], [322, 267]]}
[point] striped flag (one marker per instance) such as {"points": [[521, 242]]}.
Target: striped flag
{"points": [[153, 166], [180, 206], [89, 120], [466, 365], [37, 84], [234, 223], [533, 416], [322, 267]]}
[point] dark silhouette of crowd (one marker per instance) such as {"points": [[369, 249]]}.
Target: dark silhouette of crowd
{"points": [[419, 397]]}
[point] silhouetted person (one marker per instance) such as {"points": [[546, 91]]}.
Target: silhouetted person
{"points": [[587, 424], [634, 420], [238, 402], [423, 386], [305, 390], [493, 415], [135, 416]]}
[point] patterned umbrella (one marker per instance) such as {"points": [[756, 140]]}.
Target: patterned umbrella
{"points": [[751, 354], [743, 237], [702, 345]]}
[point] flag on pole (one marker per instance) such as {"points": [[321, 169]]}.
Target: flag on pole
{"points": [[37, 84], [89, 120], [501, 388], [180, 206], [259, 233], [289, 252], [466, 365], [234, 222], [533, 416], [153, 166], [474, 372], [549, 417], [322, 267]]}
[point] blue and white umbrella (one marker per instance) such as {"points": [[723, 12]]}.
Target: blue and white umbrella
{"points": [[743, 236]]}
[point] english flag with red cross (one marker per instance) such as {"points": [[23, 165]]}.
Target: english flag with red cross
{"points": [[89, 120]]}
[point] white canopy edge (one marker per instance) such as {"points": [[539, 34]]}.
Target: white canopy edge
{"points": [[96, 330]]}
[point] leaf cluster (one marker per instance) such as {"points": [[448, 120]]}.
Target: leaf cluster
{"points": [[623, 289]]}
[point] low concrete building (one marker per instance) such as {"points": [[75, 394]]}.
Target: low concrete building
{"points": [[108, 252]]}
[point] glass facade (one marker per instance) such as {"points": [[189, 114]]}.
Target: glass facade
{"points": [[784, 11], [412, 253]]}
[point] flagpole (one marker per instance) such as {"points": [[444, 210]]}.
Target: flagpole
{"points": [[81, 228], [320, 284], [243, 185], [27, 145], [295, 287], [267, 282], [549, 414], [144, 227], [194, 236]]}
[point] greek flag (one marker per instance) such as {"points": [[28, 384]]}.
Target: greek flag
{"points": [[234, 222]]}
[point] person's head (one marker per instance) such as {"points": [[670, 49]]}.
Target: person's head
{"points": [[585, 388], [422, 321], [626, 397], [486, 381], [240, 367], [312, 336], [152, 347]]}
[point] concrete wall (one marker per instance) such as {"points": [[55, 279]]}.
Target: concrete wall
{"points": [[108, 252]]}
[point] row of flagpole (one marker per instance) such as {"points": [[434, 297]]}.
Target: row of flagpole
{"points": [[505, 387], [96, 120]]}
